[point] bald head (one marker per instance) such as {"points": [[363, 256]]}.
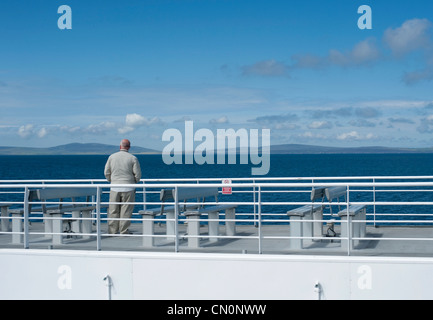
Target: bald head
{"points": [[125, 144]]}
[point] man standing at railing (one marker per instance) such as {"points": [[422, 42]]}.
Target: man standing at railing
{"points": [[121, 168]]}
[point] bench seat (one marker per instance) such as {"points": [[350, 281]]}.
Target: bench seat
{"points": [[157, 210], [304, 210], [353, 210], [209, 209], [34, 208], [71, 208]]}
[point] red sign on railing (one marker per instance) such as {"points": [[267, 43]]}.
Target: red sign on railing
{"points": [[227, 190]]}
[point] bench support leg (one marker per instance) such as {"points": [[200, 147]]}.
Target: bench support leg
{"points": [[194, 231], [345, 244], [148, 229], [299, 228], [17, 226], [86, 225], [318, 225], [296, 231], [170, 226], [359, 226], [230, 225], [363, 225], [75, 224], [57, 228], [213, 226], [48, 225], [5, 219]]}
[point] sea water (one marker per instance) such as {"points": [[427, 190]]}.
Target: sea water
{"points": [[293, 165], [153, 167]]}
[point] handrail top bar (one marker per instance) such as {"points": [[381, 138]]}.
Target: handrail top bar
{"points": [[234, 185], [293, 178], [220, 179]]}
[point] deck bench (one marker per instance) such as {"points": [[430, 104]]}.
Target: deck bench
{"points": [[192, 211], [80, 212], [314, 211], [352, 217]]}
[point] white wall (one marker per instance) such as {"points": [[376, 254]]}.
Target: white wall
{"points": [[57, 274]]}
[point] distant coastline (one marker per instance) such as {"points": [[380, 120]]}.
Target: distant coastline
{"points": [[104, 149], [311, 149], [73, 149]]}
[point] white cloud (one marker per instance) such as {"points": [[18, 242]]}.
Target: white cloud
{"points": [[426, 125], [221, 120], [414, 77], [275, 119], [266, 68], [29, 131], [361, 123], [354, 135], [308, 135], [100, 128], [132, 122], [26, 131], [367, 112], [320, 125], [135, 120], [42, 132], [363, 53], [412, 35]]}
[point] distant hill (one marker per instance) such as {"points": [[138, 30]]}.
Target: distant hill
{"points": [[309, 149], [73, 148]]}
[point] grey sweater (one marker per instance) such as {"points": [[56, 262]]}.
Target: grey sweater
{"points": [[122, 168]]}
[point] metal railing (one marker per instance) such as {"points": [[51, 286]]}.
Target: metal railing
{"points": [[398, 209]]}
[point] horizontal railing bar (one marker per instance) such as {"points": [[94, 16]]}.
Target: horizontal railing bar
{"points": [[234, 185]]}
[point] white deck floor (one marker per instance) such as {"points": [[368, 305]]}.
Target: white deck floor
{"points": [[413, 241]]}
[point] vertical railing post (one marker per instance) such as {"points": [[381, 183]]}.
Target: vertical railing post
{"points": [[374, 203], [93, 199], [26, 218], [260, 219], [254, 201], [176, 213], [98, 218], [144, 196], [349, 225]]}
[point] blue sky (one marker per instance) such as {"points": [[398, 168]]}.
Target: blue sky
{"points": [[132, 69]]}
